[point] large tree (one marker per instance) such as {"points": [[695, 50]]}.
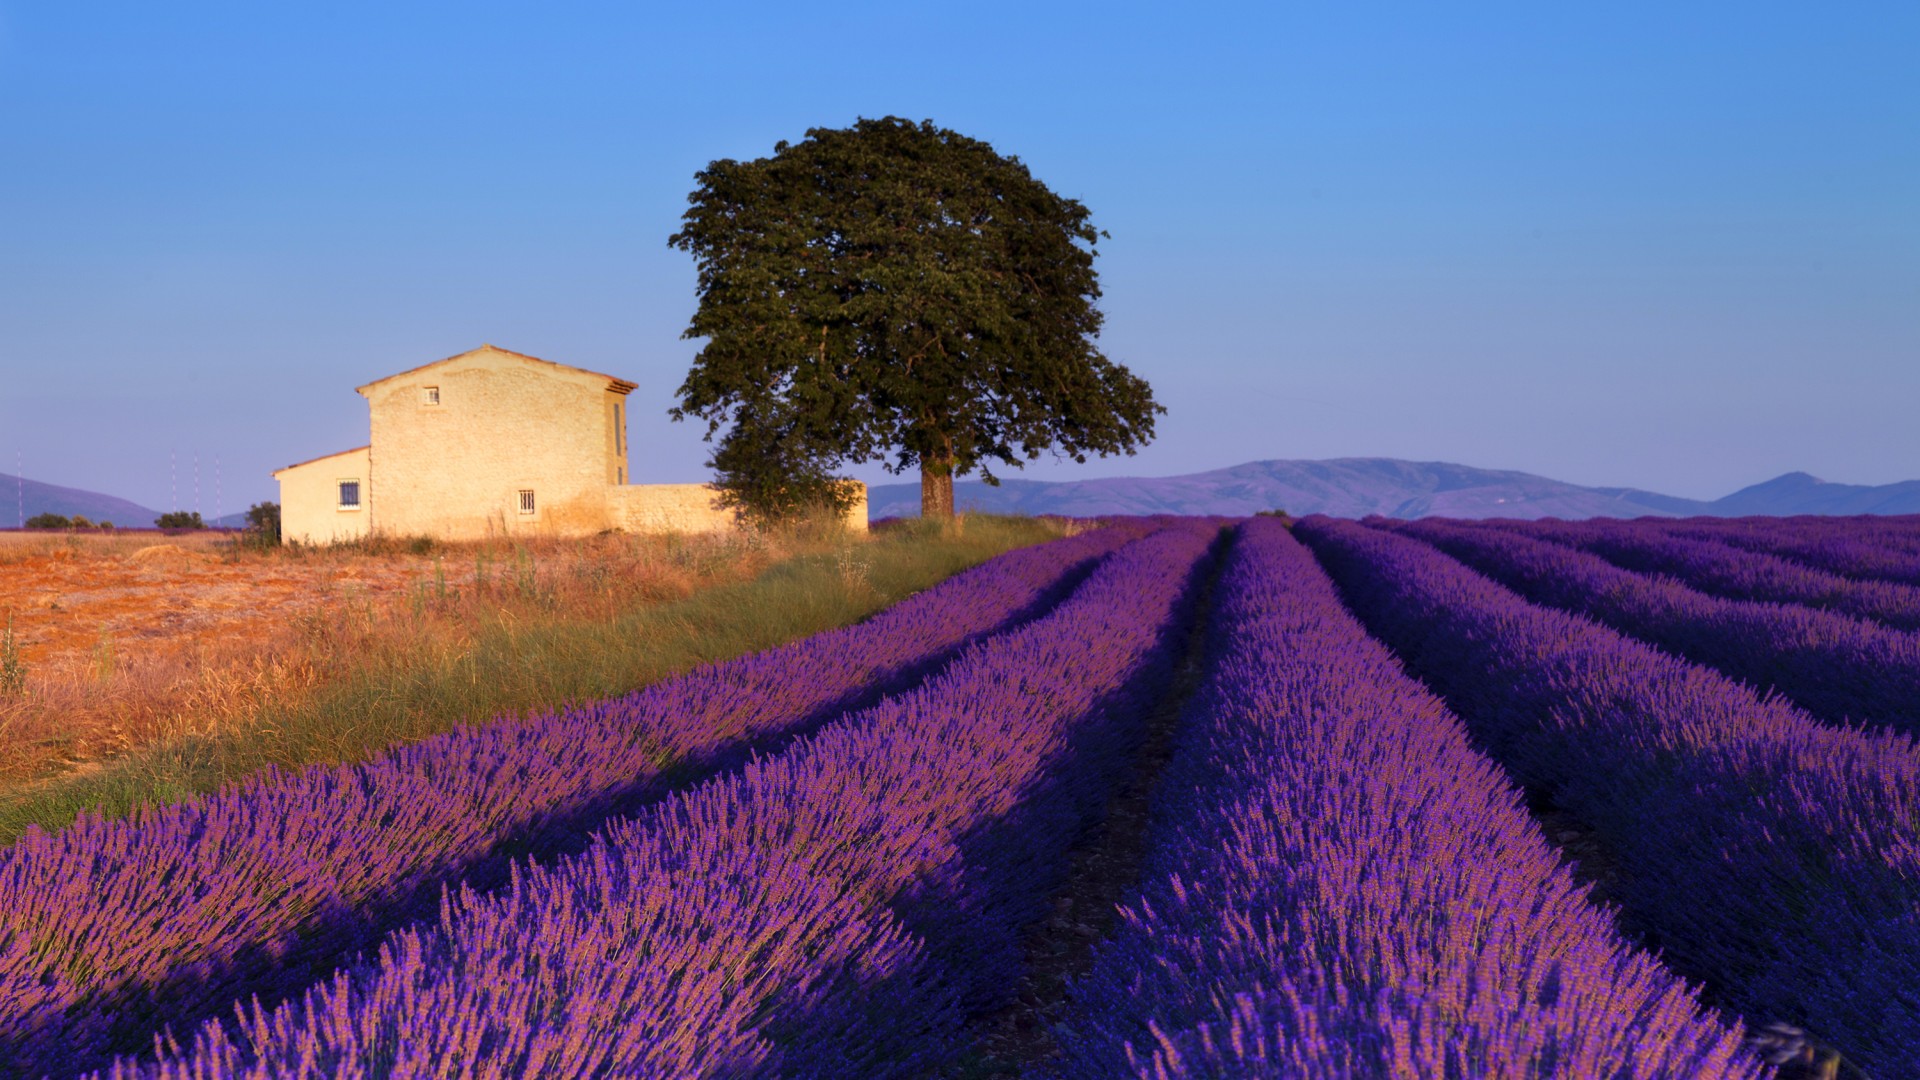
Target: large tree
{"points": [[896, 292]]}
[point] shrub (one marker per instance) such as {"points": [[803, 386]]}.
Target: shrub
{"points": [[263, 525], [49, 521], [180, 519]]}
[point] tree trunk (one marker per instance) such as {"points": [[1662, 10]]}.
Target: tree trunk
{"points": [[936, 490]]}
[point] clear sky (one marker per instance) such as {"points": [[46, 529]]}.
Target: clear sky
{"points": [[1667, 245]]}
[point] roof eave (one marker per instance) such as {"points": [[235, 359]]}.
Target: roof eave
{"points": [[317, 460], [614, 385]]}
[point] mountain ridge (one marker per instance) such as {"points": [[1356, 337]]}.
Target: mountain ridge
{"points": [[1392, 487], [1341, 487], [33, 497]]}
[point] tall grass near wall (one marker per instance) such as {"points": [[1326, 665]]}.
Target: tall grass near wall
{"points": [[450, 654]]}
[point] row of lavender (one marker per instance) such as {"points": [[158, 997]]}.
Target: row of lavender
{"points": [[1340, 886], [835, 910], [1774, 857], [1886, 549], [110, 927], [1838, 667], [1722, 569]]}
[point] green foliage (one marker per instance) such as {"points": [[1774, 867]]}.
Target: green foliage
{"points": [[80, 522], [180, 519], [49, 521], [895, 292], [263, 524], [767, 476]]}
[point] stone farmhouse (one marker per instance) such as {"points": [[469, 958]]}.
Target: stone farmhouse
{"points": [[492, 443]]}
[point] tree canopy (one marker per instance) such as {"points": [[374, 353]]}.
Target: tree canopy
{"points": [[895, 292]]}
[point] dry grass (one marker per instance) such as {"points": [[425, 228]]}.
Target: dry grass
{"points": [[22, 546], [109, 675], [151, 676]]}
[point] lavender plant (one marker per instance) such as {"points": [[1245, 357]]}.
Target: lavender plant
{"points": [[1837, 667], [110, 928], [1870, 549], [1773, 857], [834, 910], [1733, 573], [1339, 886]]}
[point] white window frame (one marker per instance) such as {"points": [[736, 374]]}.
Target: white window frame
{"points": [[429, 396], [526, 502], [359, 494]]}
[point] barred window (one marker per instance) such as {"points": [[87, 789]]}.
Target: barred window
{"points": [[526, 500], [349, 494]]}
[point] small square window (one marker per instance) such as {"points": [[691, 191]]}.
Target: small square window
{"points": [[430, 396], [526, 500], [349, 494]]}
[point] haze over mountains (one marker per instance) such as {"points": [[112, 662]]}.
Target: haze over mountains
{"points": [[21, 499], [1356, 487], [1342, 487]]}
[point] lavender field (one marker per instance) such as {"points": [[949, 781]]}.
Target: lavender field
{"points": [[1174, 797]]}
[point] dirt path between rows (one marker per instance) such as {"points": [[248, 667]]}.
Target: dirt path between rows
{"points": [[1103, 873]]}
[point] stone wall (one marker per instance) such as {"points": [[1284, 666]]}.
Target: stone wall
{"points": [[689, 508], [310, 510], [456, 444], [857, 513], [655, 508]]}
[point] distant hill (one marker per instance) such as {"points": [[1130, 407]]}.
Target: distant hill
{"points": [[1799, 493], [21, 498], [1356, 487]]}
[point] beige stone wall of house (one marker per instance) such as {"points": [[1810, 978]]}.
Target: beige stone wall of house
{"points": [[310, 498], [692, 508], [492, 442]]}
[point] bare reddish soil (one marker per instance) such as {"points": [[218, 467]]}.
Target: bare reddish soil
{"points": [[172, 595]]}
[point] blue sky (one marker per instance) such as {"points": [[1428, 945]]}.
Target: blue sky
{"points": [[1674, 246]]}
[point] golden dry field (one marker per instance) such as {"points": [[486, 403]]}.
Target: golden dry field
{"points": [[133, 638]]}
